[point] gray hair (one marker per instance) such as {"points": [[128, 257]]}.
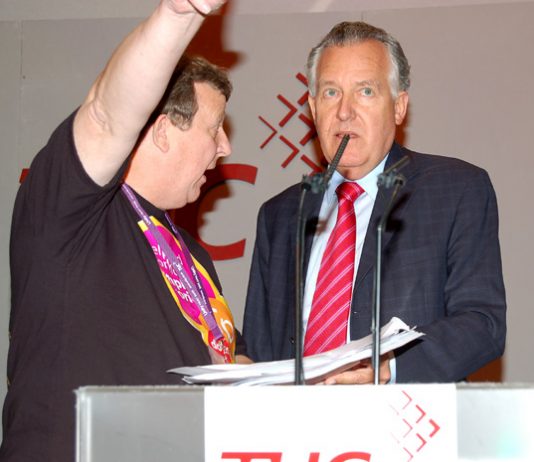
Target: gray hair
{"points": [[350, 33]]}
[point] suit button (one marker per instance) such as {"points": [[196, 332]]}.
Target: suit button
{"points": [[292, 340]]}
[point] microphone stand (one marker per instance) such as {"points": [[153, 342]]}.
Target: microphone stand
{"points": [[386, 180], [316, 184]]}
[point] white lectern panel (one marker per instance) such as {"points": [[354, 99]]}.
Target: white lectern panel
{"points": [[169, 424]]}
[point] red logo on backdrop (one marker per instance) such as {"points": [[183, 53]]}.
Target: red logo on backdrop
{"points": [[415, 427], [277, 457], [309, 133]]}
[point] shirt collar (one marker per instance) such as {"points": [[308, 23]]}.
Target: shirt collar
{"points": [[368, 182]]}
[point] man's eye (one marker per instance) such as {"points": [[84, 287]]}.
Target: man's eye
{"points": [[367, 91], [330, 92]]}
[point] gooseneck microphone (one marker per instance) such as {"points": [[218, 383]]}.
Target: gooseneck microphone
{"points": [[316, 184], [335, 161]]}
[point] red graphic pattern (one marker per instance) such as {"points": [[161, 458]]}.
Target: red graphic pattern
{"points": [[415, 428], [294, 151], [291, 113], [307, 137], [270, 137]]}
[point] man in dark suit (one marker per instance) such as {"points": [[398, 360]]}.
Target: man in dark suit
{"points": [[441, 267]]}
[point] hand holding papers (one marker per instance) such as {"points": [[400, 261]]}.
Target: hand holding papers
{"points": [[393, 335]]}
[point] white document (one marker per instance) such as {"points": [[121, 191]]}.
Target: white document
{"points": [[393, 335]]}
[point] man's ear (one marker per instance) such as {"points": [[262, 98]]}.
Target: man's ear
{"points": [[311, 103], [159, 130], [401, 106]]}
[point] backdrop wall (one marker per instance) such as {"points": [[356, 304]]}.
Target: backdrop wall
{"points": [[471, 97]]}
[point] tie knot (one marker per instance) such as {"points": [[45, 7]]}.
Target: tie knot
{"points": [[349, 191]]}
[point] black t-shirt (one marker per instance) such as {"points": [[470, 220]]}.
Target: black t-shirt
{"points": [[89, 304]]}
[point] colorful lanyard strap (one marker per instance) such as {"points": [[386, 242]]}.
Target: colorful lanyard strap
{"points": [[194, 289]]}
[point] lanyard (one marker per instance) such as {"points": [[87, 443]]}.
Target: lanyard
{"points": [[194, 289]]}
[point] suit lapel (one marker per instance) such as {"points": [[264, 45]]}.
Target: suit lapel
{"points": [[369, 251], [311, 208]]}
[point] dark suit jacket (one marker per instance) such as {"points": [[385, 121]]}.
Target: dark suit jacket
{"points": [[441, 271]]}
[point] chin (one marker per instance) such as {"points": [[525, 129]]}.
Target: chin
{"points": [[193, 197], [178, 203], [178, 206]]}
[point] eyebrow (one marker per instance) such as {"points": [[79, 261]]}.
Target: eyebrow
{"points": [[360, 83], [322, 83]]}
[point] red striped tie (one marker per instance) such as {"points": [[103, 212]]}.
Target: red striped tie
{"points": [[327, 325]]}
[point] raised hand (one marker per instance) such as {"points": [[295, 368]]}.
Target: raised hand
{"points": [[191, 6]]}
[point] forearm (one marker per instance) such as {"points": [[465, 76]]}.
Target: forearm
{"points": [[138, 72], [451, 349], [121, 100]]}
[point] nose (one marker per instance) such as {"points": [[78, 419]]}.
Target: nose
{"points": [[224, 149], [346, 108]]}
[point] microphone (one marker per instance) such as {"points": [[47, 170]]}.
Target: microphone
{"points": [[391, 176], [335, 161]]}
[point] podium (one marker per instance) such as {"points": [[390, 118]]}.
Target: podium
{"points": [[464, 422]]}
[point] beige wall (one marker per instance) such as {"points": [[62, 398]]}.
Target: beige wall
{"points": [[472, 97]]}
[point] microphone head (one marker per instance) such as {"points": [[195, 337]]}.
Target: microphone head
{"points": [[391, 176]]}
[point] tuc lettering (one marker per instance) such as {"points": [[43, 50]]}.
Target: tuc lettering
{"points": [[277, 456]]}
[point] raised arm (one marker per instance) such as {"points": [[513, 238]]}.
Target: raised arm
{"points": [[119, 103]]}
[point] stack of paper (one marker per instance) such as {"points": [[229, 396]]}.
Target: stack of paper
{"points": [[393, 335]]}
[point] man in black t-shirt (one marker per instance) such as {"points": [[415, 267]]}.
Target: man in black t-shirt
{"points": [[105, 289]]}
